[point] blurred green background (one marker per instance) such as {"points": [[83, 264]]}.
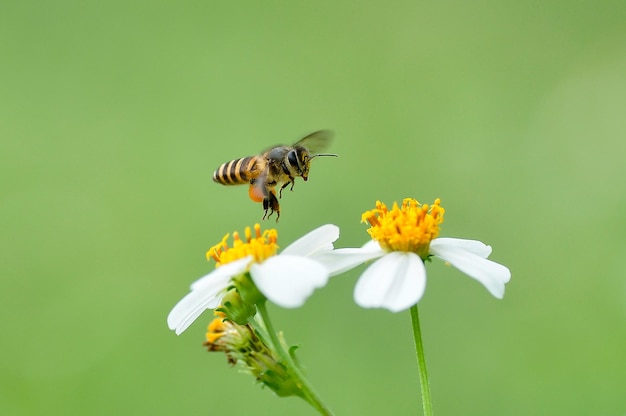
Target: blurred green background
{"points": [[113, 116]]}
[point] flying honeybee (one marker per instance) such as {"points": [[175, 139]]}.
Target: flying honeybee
{"points": [[277, 166]]}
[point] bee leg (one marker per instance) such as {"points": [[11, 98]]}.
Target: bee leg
{"points": [[266, 206], [270, 203], [291, 181]]}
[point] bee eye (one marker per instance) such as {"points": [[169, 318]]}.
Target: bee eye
{"points": [[292, 157]]}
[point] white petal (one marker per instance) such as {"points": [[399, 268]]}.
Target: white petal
{"points": [[473, 246], [288, 280], [395, 282], [371, 245], [344, 259], [321, 238], [229, 269], [206, 296], [490, 274]]}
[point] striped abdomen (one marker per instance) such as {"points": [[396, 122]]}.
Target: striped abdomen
{"points": [[237, 171]]}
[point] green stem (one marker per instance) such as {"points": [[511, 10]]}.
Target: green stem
{"points": [[308, 393], [421, 363]]}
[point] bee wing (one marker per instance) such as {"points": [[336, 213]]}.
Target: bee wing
{"points": [[317, 141]]}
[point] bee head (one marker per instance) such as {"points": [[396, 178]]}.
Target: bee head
{"points": [[299, 162]]}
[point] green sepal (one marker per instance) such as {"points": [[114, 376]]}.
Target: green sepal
{"points": [[248, 290], [236, 309]]}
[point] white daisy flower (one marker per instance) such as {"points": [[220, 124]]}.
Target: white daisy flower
{"points": [[287, 279], [403, 238]]}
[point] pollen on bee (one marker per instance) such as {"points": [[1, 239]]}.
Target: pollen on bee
{"points": [[256, 193]]}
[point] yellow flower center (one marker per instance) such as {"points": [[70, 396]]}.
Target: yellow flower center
{"points": [[410, 227], [217, 328], [262, 246]]}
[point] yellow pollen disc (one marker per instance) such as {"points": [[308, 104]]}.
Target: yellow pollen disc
{"points": [[410, 227], [260, 246], [216, 328]]}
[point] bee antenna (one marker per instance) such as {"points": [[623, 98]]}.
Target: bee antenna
{"points": [[324, 154]]}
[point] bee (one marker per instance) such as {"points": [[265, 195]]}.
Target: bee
{"points": [[277, 166]]}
